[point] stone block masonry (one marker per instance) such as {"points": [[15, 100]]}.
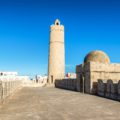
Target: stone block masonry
{"points": [[91, 72], [69, 84], [104, 88], [109, 89], [56, 65]]}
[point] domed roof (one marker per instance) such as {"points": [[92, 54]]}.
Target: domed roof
{"points": [[97, 56]]}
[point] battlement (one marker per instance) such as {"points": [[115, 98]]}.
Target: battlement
{"points": [[57, 28]]}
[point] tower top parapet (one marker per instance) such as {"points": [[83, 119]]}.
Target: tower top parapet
{"points": [[57, 26], [57, 22]]}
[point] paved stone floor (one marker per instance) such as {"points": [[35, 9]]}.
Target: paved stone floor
{"points": [[57, 104]]}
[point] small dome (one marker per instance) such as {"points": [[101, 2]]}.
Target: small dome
{"points": [[97, 56]]}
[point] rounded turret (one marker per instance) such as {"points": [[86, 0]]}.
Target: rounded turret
{"points": [[56, 66]]}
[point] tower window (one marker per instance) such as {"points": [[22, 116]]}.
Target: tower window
{"points": [[57, 23]]}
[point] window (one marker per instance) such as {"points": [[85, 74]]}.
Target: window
{"points": [[57, 23]]}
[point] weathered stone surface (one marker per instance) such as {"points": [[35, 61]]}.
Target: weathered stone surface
{"points": [[101, 88], [57, 104], [97, 56], [56, 65], [114, 91], [79, 68], [93, 71], [118, 88], [111, 90], [69, 84], [108, 88], [78, 88]]}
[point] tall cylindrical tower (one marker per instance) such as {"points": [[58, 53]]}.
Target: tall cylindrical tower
{"points": [[56, 65]]}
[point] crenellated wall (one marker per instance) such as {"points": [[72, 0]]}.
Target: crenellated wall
{"points": [[104, 88], [95, 78], [89, 73], [109, 89]]}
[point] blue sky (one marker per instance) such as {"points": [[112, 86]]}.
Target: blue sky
{"points": [[24, 32]]}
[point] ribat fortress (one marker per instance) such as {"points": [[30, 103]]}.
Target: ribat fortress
{"points": [[95, 69], [22, 98]]}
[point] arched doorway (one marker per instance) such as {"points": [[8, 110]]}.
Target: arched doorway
{"points": [[51, 78], [82, 84]]}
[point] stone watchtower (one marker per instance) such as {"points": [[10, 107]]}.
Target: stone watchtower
{"points": [[56, 65]]}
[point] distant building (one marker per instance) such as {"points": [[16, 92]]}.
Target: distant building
{"points": [[40, 80], [96, 67], [8, 73], [71, 75]]}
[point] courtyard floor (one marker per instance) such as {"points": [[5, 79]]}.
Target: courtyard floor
{"points": [[57, 104]]}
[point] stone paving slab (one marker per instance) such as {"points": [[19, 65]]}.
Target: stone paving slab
{"points": [[57, 104]]}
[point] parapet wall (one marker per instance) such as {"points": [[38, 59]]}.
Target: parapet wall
{"points": [[104, 88], [8, 85], [98, 67], [108, 89], [69, 84], [94, 71]]}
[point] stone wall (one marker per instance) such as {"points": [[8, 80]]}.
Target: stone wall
{"points": [[109, 89], [104, 88], [101, 88], [104, 72], [88, 74], [69, 84], [8, 85], [79, 77]]}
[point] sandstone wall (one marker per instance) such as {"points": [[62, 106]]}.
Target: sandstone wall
{"points": [[79, 78], [95, 71], [118, 88], [109, 89], [104, 88], [56, 65], [104, 71], [69, 84], [101, 88]]}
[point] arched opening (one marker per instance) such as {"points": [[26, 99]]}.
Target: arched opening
{"points": [[57, 23], [81, 83], [51, 78]]}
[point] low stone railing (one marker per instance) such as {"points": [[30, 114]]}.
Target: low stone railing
{"points": [[69, 84], [104, 88], [8, 85]]}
